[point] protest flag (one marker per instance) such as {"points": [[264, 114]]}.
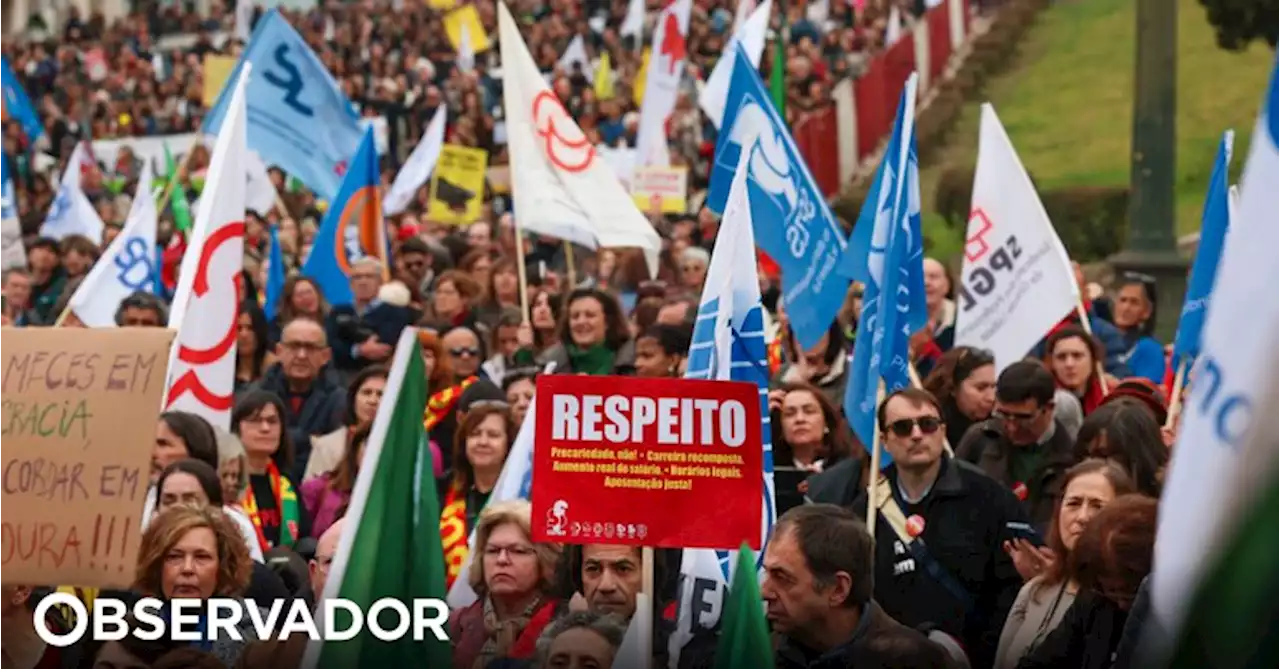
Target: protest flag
{"points": [[14, 252], [1223, 470], [778, 77], [791, 219], [1215, 219], [352, 227], [886, 254], [418, 167], [177, 194], [71, 212], [728, 345], [128, 264], [751, 35], [391, 545], [274, 287], [662, 83], [206, 302], [299, 119], [17, 105], [563, 188], [744, 632], [1012, 255]]}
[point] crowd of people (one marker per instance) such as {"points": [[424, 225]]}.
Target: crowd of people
{"points": [[1034, 489]]}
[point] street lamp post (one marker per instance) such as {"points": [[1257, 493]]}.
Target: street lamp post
{"points": [[1151, 247]]}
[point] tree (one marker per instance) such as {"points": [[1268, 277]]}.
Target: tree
{"points": [[1239, 22]]}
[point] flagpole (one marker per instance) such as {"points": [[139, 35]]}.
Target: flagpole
{"points": [[521, 270], [568, 259], [1175, 396], [168, 187], [874, 477], [1084, 323]]}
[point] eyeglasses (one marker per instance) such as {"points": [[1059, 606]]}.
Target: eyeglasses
{"points": [[512, 552], [467, 352], [905, 426], [1014, 417]]}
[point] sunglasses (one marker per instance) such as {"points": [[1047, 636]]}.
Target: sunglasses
{"points": [[904, 427], [464, 352]]}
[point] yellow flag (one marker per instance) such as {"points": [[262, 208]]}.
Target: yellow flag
{"points": [[217, 69], [604, 78], [453, 22], [638, 93]]}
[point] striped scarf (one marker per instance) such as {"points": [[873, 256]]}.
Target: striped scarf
{"points": [[441, 404]]}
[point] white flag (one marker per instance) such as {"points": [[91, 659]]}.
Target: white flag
{"points": [[244, 20], [466, 51], [728, 345], [741, 13], [71, 212], [752, 37], [417, 169], [576, 52], [202, 366], [562, 187], [1016, 283], [636, 650], [662, 83], [1208, 484], [893, 32], [14, 254], [633, 24], [127, 266]]}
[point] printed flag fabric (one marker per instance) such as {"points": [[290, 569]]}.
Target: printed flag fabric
{"points": [[1214, 221], [14, 253], [1218, 475], [128, 265], [662, 83], [299, 119], [17, 106], [729, 344], [1017, 283], [744, 632], [790, 217], [886, 254], [71, 212], [417, 169], [390, 544], [206, 303], [274, 287], [352, 228], [751, 35], [563, 187]]}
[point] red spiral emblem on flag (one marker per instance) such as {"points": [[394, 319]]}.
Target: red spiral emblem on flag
{"points": [[573, 153]]}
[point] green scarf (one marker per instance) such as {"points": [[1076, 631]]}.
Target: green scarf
{"points": [[596, 361]]}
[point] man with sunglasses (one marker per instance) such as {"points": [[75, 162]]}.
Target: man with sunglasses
{"points": [[1023, 445], [939, 529]]}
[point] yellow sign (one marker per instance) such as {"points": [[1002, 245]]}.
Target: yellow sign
{"points": [[441, 4], [457, 185], [637, 92], [468, 16], [217, 69], [666, 187]]}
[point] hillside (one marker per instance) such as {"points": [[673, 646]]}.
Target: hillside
{"points": [[1067, 103]]}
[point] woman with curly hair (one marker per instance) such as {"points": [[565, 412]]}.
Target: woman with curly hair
{"points": [[196, 553]]}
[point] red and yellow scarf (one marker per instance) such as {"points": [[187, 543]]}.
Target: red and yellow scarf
{"points": [[453, 532], [286, 503], [441, 404]]}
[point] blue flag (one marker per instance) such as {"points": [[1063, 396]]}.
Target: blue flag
{"points": [[886, 254], [791, 219], [275, 276], [17, 105], [299, 120], [1214, 221], [352, 228]]}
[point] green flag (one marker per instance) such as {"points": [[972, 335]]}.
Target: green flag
{"points": [[744, 633], [177, 196], [391, 543], [778, 77]]}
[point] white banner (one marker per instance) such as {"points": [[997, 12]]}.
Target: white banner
{"points": [[662, 83], [1016, 282]]}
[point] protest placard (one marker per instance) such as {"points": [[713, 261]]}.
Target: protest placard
{"points": [[79, 412], [666, 188], [457, 185], [469, 17], [217, 70], [666, 463]]}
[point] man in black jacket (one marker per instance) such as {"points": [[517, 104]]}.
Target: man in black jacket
{"points": [[939, 530], [365, 332], [313, 398], [1022, 446]]}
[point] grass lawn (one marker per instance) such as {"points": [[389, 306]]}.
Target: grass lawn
{"points": [[1067, 103]]}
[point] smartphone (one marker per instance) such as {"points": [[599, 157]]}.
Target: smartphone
{"points": [[1021, 530]]}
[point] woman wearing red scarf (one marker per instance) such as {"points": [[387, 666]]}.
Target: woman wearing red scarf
{"points": [[1073, 356]]}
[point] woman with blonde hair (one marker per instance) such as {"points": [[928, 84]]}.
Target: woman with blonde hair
{"points": [[196, 553], [233, 467], [512, 577]]}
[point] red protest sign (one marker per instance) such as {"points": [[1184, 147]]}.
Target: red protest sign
{"points": [[668, 463]]}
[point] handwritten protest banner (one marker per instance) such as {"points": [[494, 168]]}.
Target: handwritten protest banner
{"points": [[79, 421], [668, 463]]}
